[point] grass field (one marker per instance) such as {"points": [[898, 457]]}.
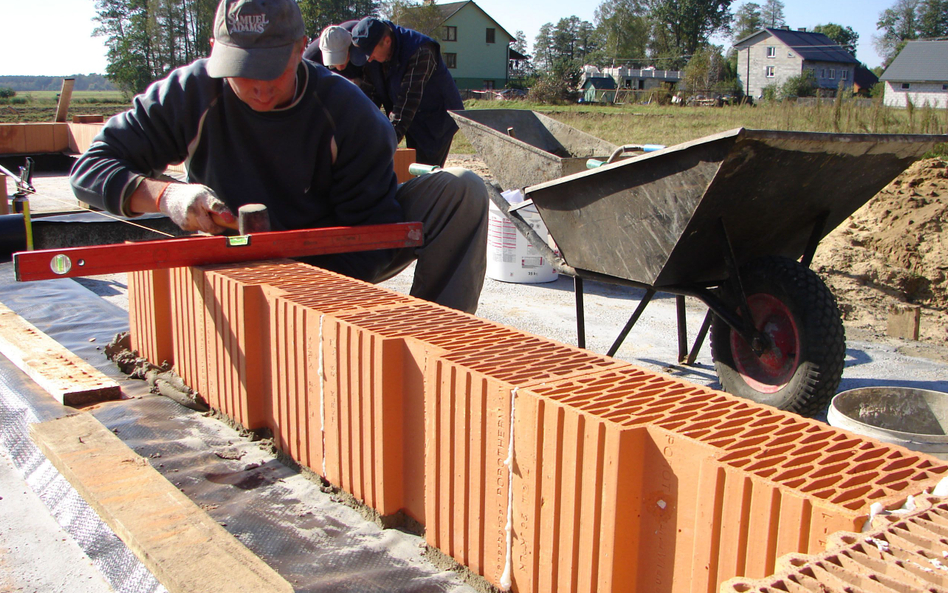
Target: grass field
{"points": [[652, 124], [37, 106], [622, 124]]}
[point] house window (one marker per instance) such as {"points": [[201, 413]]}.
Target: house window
{"points": [[944, 87], [489, 85], [822, 72], [490, 34], [771, 52], [906, 86], [832, 73], [451, 60], [450, 33], [770, 71], [844, 74]]}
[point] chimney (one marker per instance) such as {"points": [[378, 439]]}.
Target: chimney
{"points": [[802, 29]]}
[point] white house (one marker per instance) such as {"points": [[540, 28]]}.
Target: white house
{"points": [[919, 73], [771, 56]]}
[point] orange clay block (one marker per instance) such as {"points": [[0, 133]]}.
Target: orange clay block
{"points": [[467, 423], [725, 485], [42, 138], [13, 139], [906, 554], [621, 479], [149, 315], [187, 323], [372, 392], [292, 412], [237, 344], [80, 136], [404, 157]]}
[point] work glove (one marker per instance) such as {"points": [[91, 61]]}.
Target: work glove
{"points": [[191, 206]]}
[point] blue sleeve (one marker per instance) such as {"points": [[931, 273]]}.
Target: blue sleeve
{"points": [[141, 142]]}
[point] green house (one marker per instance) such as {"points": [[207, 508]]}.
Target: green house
{"points": [[475, 47]]}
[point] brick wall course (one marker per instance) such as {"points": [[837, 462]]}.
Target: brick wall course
{"points": [[620, 479]]}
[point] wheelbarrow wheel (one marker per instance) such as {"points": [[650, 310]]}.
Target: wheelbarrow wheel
{"points": [[803, 363]]}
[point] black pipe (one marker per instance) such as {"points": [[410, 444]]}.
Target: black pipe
{"points": [[12, 235]]}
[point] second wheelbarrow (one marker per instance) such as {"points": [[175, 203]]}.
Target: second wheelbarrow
{"points": [[734, 220]]}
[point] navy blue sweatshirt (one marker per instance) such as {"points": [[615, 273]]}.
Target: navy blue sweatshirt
{"points": [[281, 159]]}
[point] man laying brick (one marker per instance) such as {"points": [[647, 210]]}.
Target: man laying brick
{"points": [[255, 123], [406, 75]]}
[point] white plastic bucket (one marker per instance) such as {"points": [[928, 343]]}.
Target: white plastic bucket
{"points": [[510, 256]]}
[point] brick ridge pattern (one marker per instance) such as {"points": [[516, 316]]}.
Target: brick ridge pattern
{"points": [[616, 478], [907, 554]]}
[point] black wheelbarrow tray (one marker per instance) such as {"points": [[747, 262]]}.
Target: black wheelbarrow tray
{"points": [[524, 148], [732, 219]]}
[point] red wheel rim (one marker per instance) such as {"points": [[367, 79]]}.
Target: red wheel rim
{"points": [[773, 369]]}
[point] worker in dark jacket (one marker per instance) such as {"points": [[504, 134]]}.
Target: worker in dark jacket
{"points": [[407, 77], [331, 50], [256, 123]]}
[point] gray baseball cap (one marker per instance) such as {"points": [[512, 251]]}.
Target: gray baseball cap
{"points": [[254, 38], [334, 43]]}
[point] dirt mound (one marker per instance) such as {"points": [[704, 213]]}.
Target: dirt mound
{"points": [[894, 251]]}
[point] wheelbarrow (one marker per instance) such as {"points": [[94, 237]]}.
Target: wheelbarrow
{"points": [[524, 148], [734, 220]]}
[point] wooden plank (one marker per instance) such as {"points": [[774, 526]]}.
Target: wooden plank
{"points": [[65, 95], [180, 544], [61, 373], [47, 264]]}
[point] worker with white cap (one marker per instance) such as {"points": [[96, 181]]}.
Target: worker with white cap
{"points": [[331, 49]]}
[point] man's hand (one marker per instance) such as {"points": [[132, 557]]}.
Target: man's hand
{"points": [[193, 207]]}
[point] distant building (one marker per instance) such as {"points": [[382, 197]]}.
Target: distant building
{"points": [[601, 89], [642, 79], [863, 81], [474, 46], [919, 73], [772, 56]]}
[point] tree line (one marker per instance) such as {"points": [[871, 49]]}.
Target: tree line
{"points": [[84, 82], [146, 39], [677, 35]]}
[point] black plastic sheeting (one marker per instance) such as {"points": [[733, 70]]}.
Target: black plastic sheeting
{"points": [[313, 541]]}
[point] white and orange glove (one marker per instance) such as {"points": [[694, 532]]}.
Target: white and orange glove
{"points": [[195, 207]]}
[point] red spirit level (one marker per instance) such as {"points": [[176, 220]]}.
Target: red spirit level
{"points": [[196, 251]]}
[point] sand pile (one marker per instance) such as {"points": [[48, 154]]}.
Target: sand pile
{"points": [[894, 251]]}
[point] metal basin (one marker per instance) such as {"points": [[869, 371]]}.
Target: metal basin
{"points": [[913, 418], [524, 148], [656, 219]]}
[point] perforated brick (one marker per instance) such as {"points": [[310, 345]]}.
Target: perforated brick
{"points": [[621, 479], [188, 331], [149, 315], [721, 487], [909, 554]]}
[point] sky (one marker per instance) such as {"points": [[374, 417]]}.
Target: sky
{"points": [[54, 37]]}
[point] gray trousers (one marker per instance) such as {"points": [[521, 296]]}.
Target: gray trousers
{"points": [[452, 206]]}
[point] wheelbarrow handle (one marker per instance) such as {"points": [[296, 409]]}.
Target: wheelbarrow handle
{"points": [[539, 243]]}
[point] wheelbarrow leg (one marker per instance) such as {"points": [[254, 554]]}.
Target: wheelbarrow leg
{"points": [[635, 317], [815, 235], [682, 328], [580, 315], [699, 339]]}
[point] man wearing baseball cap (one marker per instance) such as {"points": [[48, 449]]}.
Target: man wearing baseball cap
{"points": [[407, 77], [331, 49], [255, 123]]}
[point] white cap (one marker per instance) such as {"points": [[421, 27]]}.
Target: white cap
{"points": [[334, 44]]}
